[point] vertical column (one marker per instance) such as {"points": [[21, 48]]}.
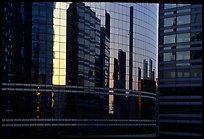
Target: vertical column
{"points": [[131, 47]]}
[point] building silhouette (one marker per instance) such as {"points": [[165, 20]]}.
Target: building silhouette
{"points": [[85, 60], [27, 55], [120, 101]]}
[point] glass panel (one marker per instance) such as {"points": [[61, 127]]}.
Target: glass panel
{"points": [[62, 30], [169, 56], [183, 73], [56, 71], [168, 6], [63, 5], [169, 74], [56, 63], [62, 80], [56, 13], [169, 21], [196, 36], [56, 46], [62, 55], [196, 54], [183, 19], [62, 38], [56, 30], [170, 39], [196, 73], [62, 63], [56, 55], [62, 47], [183, 37], [184, 55], [55, 79], [62, 71], [196, 18], [63, 14], [63, 22]]}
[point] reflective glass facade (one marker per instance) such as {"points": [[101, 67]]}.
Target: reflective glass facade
{"points": [[180, 71], [84, 64]]}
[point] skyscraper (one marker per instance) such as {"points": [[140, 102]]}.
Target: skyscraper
{"points": [[180, 69], [27, 53], [83, 54], [120, 101]]}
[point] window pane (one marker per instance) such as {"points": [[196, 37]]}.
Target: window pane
{"points": [[196, 36], [183, 19], [169, 21], [169, 56], [183, 37], [168, 6], [169, 74], [196, 18], [170, 39], [184, 55], [196, 73], [196, 54], [183, 73]]}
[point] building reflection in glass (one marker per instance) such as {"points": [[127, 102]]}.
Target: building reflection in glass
{"points": [[72, 56]]}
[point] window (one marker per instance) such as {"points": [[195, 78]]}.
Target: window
{"points": [[183, 37], [170, 39], [168, 6], [183, 19], [196, 18], [169, 21], [169, 74], [183, 73], [196, 36], [184, 55], [169, 56], [196, 54], [196, 73]]}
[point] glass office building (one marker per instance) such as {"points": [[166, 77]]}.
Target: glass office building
{"points": [[180, 69], [74, 69]]}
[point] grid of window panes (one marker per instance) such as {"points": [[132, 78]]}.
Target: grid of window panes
{"points": [[181, 32], [59, 43], [45, 98], [144, 34], [41, 46], [180, 69]]}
